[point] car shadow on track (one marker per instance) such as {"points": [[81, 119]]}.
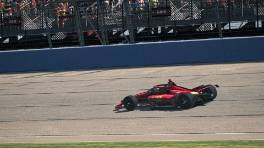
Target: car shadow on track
{"points": [[170, 109]]}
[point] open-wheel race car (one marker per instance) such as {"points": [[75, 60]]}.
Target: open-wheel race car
{"points": [[169, 95]]}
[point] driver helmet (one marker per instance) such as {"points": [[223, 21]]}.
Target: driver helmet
{"points": [[171, 83]]}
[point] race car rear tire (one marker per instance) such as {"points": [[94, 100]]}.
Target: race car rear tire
{"points": [[129, 103], [185, 101], [209, 93]]}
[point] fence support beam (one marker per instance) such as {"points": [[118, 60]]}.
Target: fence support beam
{"points": [[101, 22], [46, 9], [229, 15], [129, 21], [192, 9], [78, 23], [218, 19], [257, 7]]}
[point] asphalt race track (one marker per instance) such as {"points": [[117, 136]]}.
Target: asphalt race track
{"points": [[77, 106]]}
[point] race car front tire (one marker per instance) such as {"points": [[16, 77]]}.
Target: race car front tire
{"points": [[130, 103], [209, 93]]}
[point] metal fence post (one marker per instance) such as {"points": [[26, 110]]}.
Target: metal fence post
{"points": [[149, 5], [78, 23], [46, 9], [1, 23], [101, 22], [122, 14], [229, 15], [202, 12], [257, 7], [192, 9], [129, 21], [123, 23], [218, 19]]}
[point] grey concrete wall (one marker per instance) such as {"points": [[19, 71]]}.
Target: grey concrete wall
{"points": [[141, 54]]}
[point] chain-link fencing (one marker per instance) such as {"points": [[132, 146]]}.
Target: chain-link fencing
{"points": [[124, 20]]}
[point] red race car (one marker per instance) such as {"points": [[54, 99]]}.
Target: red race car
{"points": [[169, 95]]}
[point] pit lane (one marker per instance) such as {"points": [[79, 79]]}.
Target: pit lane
{"points": [[77, 106]]}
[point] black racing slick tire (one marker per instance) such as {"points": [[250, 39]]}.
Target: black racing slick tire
{"points": [[185, 101], [130, 103], [209, 93]]}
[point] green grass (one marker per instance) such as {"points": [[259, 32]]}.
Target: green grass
{"points": [[185, 144]]}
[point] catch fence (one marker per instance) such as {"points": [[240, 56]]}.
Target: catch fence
{"points": [[107, 20]]}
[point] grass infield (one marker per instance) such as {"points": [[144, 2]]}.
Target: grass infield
{"points": [[169, 144]]}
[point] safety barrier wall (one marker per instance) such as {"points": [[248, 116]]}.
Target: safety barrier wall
{"points": [[134, 55]]}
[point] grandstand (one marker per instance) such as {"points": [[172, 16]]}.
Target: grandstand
{"points": [[56, 23]]}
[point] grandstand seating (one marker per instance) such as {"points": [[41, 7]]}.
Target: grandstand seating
{"points": [[32, 23]]}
